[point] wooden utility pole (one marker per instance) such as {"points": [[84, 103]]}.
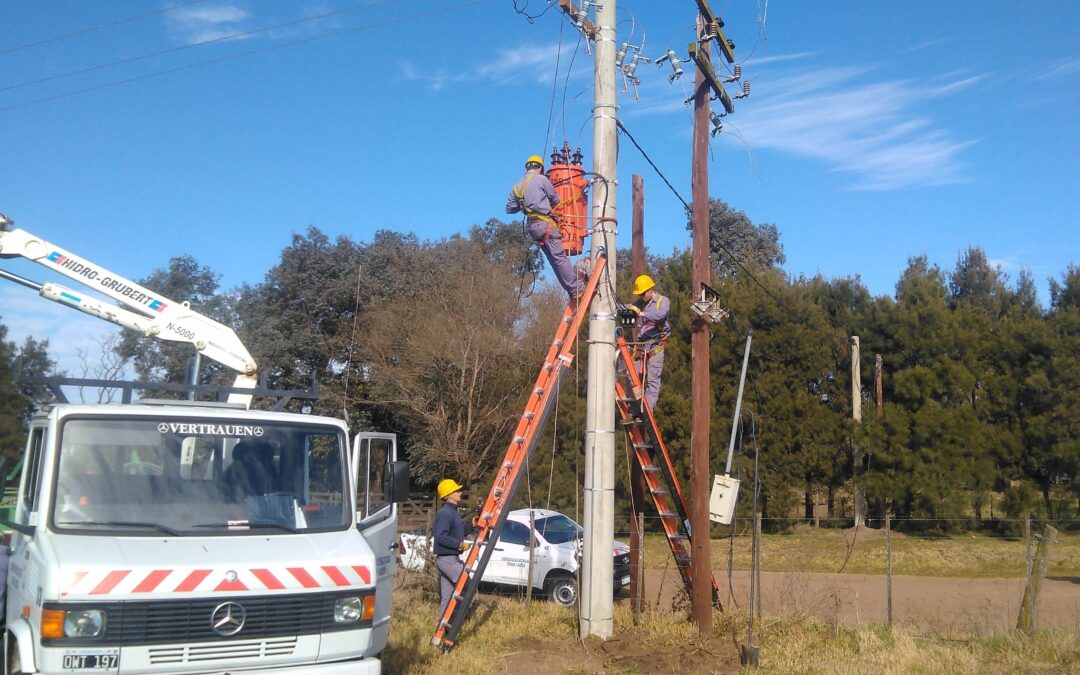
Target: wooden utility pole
{"points": [[705, 85], [856, 414], [596, 604], [637, 478], [700, 476]]}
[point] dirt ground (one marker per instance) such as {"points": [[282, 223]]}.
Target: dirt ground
{"points": [[958, 605]]}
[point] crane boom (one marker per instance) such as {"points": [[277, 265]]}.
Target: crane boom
{"points": [[142, 310]]}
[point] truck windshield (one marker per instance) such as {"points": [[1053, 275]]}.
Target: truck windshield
{"points": [[558, 529], [181, 476]]}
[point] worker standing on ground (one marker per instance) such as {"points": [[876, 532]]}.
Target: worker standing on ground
{"points": [[449, 540], [535, 196], [652, 331]]}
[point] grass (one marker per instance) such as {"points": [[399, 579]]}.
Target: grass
{"points": [[798, 645], [504, 634], [809, 549]]}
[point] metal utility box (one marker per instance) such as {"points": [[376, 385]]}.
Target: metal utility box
{"points": [[725, 492]]}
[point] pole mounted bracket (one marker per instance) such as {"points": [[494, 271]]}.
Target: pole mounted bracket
{"points": [[708, 305]]}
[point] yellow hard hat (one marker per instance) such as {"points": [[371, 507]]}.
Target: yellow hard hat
{"points": [[447, 487], [534, 159], [642, 284]]}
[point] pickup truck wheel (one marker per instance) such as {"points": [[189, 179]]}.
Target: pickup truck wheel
{"points": [[562, 590]]}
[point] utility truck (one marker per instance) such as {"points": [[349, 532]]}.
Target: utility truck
{"points": [[189, 536]]}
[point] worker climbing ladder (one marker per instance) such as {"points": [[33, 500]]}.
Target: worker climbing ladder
{"points": [[652, 456], [523, 442]]}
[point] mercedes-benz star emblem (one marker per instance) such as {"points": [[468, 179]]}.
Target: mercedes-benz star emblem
{"points": [[228, 618]]}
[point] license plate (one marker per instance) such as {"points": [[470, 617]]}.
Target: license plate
{"points": [[625, 580], [92, 661]]}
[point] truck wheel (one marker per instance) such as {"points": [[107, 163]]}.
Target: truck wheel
{"points": [[562, 590], [14, 663]]}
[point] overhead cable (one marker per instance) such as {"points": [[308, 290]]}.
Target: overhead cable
{"points": [[203, 43], [92, 29], [198, 64]]}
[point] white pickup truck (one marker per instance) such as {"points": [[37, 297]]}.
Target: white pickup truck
{"points": [[556, 555]]}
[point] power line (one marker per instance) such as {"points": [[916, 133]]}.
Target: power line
{"points": [[172, 50], [804, 321], [252, 52], [92, 29]]}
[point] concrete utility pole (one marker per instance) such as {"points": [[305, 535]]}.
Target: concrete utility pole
{"points": [[856, 414], [596, 603], [637, 478], [878, 366], [700, 475]]}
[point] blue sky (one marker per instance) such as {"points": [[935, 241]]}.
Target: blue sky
{"points": [[875, 131]]}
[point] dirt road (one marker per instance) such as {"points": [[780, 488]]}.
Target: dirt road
{"points": [[948, 606]]}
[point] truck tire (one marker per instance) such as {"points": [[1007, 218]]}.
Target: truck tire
{"points": [[562, 590], [14, 662]]}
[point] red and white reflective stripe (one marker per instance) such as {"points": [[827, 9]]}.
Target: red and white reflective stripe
{"points": [[219, 580]]}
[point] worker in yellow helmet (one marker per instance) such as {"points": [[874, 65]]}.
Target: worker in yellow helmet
{"points": [[449, 540], [535, 196], [651, 332]]}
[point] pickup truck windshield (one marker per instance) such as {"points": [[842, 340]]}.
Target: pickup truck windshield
{"points": [[184, 476], [558, 529]]}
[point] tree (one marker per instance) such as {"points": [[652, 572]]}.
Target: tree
{"points": [[183, 280], [18, 403], [733, 239], [454, 361]]}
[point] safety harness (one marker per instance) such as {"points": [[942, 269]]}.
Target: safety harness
{"points": [[519, 192]]}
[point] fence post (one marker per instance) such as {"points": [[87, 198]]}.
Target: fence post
{"points": [[532, 556], [757, 562], [639, 589], [888, 563], [1028, 611]]}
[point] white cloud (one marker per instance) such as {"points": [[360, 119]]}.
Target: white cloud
{"points": [[1062, 68], [192, 25], [874, 133], [527, 64]]}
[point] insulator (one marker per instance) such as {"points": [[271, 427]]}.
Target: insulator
{"points": [[746, 88], [738, 71]]}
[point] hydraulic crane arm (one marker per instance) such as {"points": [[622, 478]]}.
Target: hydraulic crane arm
{"points": [[142, 310]]}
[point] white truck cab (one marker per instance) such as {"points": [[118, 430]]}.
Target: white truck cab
{"points": [[200, 538]]}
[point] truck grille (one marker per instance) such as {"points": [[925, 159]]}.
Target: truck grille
{"points": [[249, 649], [142, 622]]}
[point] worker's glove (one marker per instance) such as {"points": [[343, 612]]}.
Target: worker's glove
{"points": [[476, 521], [634, 308], [465, 546]]}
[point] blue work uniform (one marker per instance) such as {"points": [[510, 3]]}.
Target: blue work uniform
{"points": [[653, 330], [535, 196], [449, 534]]}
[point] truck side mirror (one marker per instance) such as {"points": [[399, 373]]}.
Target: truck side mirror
{"points": [[396, 481]]}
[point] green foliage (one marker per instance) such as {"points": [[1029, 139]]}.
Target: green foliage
{"points": [[18, 402]]}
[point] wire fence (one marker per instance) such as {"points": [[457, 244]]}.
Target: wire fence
{"points": [[1005, 574]]}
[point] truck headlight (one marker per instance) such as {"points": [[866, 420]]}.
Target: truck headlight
{"points": [[84, 623], [348, 610]]}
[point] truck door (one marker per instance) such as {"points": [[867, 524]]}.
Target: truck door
{"points": [[28, 512], [376, 519], [510, 561]]}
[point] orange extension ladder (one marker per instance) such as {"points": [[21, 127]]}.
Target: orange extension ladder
{"points": [[493, 515], [652, 456]]}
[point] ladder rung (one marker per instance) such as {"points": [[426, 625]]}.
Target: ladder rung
{"points": [[539, 391], [668, 514], [660, 491], [625, 399], [643, 446], [519, 439], [650, 469], [529, 415], [549, 367]]}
